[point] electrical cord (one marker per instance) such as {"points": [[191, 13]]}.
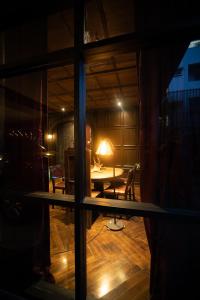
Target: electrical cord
{"points": [[131, 238], [92, 239]]}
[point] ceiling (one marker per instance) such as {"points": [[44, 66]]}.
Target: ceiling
{"points": [[109, 78], [107, 82]]}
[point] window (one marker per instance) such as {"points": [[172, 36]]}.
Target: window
{"points": [[72, 98], [194, 72], [179, 72]]}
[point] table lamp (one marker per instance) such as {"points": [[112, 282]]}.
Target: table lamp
{"points": [[105, 148]]}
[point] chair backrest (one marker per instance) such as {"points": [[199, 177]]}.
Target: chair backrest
{"points": [[56, 171], [130, 182], [56, 174], [69, 158]]}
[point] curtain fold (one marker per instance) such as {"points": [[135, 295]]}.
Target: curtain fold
{"points": [[25, 232], [164, 160]]}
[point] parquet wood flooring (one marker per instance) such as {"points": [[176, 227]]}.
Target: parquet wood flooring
{"points": [[117, 262]]}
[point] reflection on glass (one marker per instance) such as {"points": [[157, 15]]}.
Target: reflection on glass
{"points": [[61, 30], [181, 128], [113, 115], [37, 37], [105, 19]]}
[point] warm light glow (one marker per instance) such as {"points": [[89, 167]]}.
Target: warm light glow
{"points": [[42, 147], [63, 109], [105, 148], [48, 154], [119, 103], [64, 260], [49, 136], [104, 287]]}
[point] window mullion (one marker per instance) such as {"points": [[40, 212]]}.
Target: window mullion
{"points": [[80, 170]]}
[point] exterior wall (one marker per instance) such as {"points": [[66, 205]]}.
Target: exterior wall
{"points": [[192, 56]]}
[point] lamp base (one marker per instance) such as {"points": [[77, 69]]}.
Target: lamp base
{"points": [[115, 225]]}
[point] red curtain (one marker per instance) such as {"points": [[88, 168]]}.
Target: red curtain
{"points": [[168, 175]]}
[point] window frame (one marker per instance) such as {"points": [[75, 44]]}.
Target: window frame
{"points": [[79, 55]]}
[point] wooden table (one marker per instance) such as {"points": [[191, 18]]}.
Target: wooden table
{"points": [[105, 174]]}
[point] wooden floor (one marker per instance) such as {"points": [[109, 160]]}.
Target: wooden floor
{"points": [[117, 262]]}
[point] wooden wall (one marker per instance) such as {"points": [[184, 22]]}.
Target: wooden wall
{"points": [[122, 128], [65, 140]]}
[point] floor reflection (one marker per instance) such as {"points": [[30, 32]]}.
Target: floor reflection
{"points": [[117, 262]]}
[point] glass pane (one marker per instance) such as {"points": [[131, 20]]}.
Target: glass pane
{"points": [[117, 250], [60, 146], [38, 36], [24, 41], [62, 247], [61, 30], [113, 118], [105, 19], [60, 132], [24, 102], [36, 130]]}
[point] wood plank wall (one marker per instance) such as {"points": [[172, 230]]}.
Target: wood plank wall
{"points": [[122, 128]]}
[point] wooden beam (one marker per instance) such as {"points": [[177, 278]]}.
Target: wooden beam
{"points": [[120, 206], [141, 209], [33, 64], [94, 73], [102, 49], [97, 89], [53, 198]]}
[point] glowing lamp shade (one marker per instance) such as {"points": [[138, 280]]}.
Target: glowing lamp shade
{"points": [[105, 148]]}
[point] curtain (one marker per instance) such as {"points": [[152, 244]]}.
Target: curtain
{"points": [[169, 163], [24, 230]]}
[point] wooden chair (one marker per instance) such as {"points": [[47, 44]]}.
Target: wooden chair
{"points": [[124, 190], [69, 158], [69, 173], [56, 175]]}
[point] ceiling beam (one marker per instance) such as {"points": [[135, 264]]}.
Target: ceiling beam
{"points": [[33, 64], [89, 100], [95, 90], [94, 73]]}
